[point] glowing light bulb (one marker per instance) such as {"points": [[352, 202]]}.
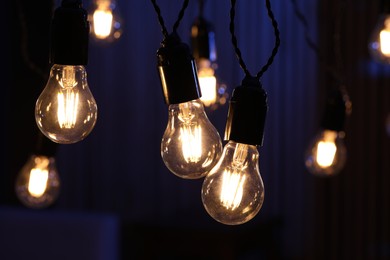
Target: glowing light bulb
{"points": [[233, 191], [327, 153], [66, 111], [105, 21], [379, 44], [38, 183], [207, 82], [191, 145]]}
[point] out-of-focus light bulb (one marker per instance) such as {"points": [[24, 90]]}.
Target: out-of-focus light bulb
{"points": [[327, 153], [207, 82], [66, 111], [379, 44], [105, 23], [38, 183], [233, 191], [191, 145]]}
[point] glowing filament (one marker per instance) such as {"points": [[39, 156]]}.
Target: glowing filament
{"points": [[67, 108], [232, 189], [385, 42], [326, 149], [208, 86], [38, 177], [191, 139], [102, 23]]}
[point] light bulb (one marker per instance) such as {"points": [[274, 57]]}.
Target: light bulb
{"points": [[233, 191], [105, 23], [207, 82], [66, 111], [327, 153], [191, 145], [38, 183], [379, 44]]}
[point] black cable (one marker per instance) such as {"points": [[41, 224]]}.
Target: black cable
{"points": [[237, 49], [161, 19]]}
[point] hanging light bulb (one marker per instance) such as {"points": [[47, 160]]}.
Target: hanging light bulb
{"points": [[38, 183], [379, 45], [233, 191], [105, 21], [205, 53], [326, 155], [66, 110], [191, 145]]}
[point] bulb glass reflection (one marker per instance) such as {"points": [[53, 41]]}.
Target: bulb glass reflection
{"points": [[327, 153], [105, 22], [379, 44], [66, 111], [233, 191], [191, 145], [38, 183]]}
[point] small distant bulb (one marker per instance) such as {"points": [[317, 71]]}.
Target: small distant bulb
{"points": [[379, 45], [105, 22], [38, 183], [207, 82]]}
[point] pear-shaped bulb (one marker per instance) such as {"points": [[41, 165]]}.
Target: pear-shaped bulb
{"points": [[233, 191], [38, 182], [66, 111], [191, 145], [327, 154]]}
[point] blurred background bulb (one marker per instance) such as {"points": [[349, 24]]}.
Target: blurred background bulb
{"points": [[191, 145], [38, 183], [327, 153], [233, 191], [66, 111], [105, 21], [207, 82], [379, 45]]}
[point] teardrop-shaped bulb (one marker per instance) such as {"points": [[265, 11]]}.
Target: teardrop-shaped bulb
{"points": [[66, 111], [38, 182], [233, 191], [327, 154], [191, 145], [379, 45]]}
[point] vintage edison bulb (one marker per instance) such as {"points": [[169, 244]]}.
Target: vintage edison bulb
{"points": [[379, 44], [207, 82], [66, 111], [191, 145], [105, 24], [38, 183], [327, 153], [233, 191]]}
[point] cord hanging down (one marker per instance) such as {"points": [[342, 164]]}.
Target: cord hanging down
{"points": [[237, 49]]}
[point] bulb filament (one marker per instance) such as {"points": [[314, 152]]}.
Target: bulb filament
{"points": [[68, 99], [233, 180], [102, 20], [326, 149], [38, 178], [384, 38]]}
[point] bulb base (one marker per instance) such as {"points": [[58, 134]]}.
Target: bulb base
{"points": [[335, 111], [69, 34], [177, 71], [247, 112]]}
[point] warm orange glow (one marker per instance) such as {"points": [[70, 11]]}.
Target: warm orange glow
{"points": [[208, 86], [326, 149]]}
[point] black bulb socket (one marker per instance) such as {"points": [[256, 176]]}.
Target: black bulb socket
{"points": [[177, 71], [69, 34], [247, 113], [203, 40], [335, 111]]}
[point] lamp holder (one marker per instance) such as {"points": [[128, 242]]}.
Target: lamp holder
{"points": [[335, 111], [177, 71], [203, 40], [69, 34], [247, 113]]}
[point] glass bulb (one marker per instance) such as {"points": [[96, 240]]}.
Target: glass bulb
{"points": [[327, 153], [191, 145], [105, 23], [233, 191], [66, 111], [207, 82], [379, 45], [38, 183]]}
